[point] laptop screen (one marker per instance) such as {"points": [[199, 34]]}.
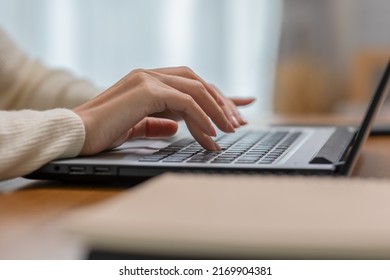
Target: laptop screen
{"points": [[365, 128]]}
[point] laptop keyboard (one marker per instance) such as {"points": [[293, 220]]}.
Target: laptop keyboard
{"points": [[238, 148]]}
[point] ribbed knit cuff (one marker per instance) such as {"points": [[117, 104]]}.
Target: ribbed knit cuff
{"points": [[76, 135], [30, 139]]}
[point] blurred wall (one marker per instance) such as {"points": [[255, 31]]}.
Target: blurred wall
{"points": [[231, 43], [328, 52]]}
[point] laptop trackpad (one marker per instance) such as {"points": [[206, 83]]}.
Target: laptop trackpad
{"points": [[134, 149]]}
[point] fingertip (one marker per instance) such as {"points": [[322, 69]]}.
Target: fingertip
{"points": [[229, 128], [174, 126], [213, 132], [235, 122], [242, 120], [249, 101], [213, 146], [210, 145], [243, 101]]}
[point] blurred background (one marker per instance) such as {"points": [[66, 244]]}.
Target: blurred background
{"points": [[295, 56]]}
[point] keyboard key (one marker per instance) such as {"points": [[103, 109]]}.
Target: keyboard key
{"points": [[150, 159], [173, 160], [222, 161], [265, 162]]}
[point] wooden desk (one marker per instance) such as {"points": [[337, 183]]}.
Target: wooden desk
{"points": [[29, 217], [29, 227]]}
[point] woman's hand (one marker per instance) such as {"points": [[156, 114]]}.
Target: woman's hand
{"points": [[147, 103]]}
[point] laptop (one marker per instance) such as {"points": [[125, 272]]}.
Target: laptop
{"points": [[304, 150]]}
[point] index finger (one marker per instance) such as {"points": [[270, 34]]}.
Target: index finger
{"points": [[187, 72]]}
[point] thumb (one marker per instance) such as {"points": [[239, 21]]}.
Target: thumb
{"points": [[153, 127]]}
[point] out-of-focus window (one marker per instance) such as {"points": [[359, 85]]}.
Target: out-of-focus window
{"points": [[231, 43]]}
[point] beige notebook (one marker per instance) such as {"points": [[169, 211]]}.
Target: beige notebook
{"points": [[207, 216]]}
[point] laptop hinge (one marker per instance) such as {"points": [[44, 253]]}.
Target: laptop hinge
{"points": [[334, 149]]}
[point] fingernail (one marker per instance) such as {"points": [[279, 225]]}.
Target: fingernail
{"points": [[243, 119], [235, 122], [217, 147], [210, 146], [230, 127], [212, 131]]}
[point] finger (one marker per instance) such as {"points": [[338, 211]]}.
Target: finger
{"points": [[165, 98], [230, 110], [186, 106], [148, 127], [242, 101], [238, 101], [187, 72], [238, 119], [167, 115], [203, 139], [200, 94], [153, 127]]}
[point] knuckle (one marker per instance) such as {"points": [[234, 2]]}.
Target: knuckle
{"points": [[228, 102], [140, 75], [199, 86], [188, 101], [187, 70], [135, 71]]}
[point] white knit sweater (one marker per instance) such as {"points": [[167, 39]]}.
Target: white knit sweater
{"points": [[35, 127]]}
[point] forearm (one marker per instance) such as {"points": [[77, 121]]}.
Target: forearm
{"points": [[29, 139], [47, 89]]}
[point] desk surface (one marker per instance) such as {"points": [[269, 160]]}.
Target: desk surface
{"points": [[29, 216]]}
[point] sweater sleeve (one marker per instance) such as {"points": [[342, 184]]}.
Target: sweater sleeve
{"points": [[29, 139], [27, 84]]}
